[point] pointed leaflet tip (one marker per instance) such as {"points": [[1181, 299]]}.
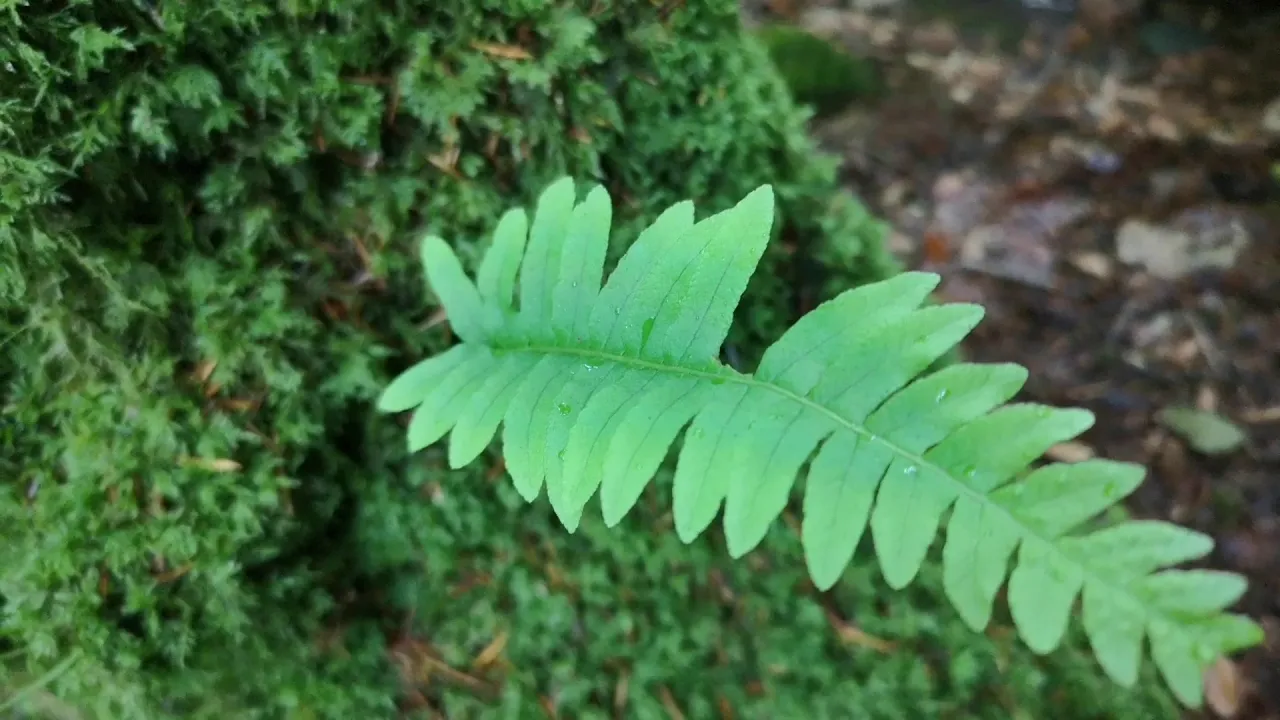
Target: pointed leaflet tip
{"points": [[500, 267], [411, 387], [564, 183], [760, 200], [468, 314], [924, 278], [541, 265]]}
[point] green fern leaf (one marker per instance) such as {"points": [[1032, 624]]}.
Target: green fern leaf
{"points": [[592, 384]]}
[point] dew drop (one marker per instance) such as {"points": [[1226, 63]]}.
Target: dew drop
{"points": [[942, 395], [910, 470], [971, 471], [565, 409], [617, 311], [1110, 490]]}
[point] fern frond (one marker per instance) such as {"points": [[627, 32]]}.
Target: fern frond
{"points": [[592, 384]]}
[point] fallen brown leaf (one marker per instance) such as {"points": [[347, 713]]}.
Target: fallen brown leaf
{"points": [[491, 652], [237, 404], [446, 161], [510, 52], [1094, 264], [726, 710], [853, 635], [221, 465], [620, 693], [1223, 687], [1261, 415], [171, 575], [203, 370], [786, 9], [419, 665], [1070, 451], [669, 702], [437, 317]]}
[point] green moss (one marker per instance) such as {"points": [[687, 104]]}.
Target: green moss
{"points": [[817, 72]]}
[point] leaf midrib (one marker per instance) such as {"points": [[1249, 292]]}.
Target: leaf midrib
{"points": [[733, 376]]}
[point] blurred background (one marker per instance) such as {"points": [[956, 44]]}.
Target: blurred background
{"points": [[1103, 176]]}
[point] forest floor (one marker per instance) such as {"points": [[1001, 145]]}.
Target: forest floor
{"points": [[1108, 188]]}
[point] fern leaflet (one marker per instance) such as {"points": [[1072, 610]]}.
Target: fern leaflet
{"points": [[592, 384]]}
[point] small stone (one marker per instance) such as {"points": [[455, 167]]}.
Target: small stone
{"points": [[1271, 118], [1092, 263]]}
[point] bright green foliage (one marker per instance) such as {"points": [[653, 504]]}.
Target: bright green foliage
{"points": [[204, 210], [593, 383]]}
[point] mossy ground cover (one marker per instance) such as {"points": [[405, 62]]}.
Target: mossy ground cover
{"points": [[208, 216]]}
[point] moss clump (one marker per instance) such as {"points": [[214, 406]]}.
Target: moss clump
{"points": [[818, 73]]}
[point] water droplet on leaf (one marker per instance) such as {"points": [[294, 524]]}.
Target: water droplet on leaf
{"points": [[942, 395], [565, 409], [910, 470]]}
